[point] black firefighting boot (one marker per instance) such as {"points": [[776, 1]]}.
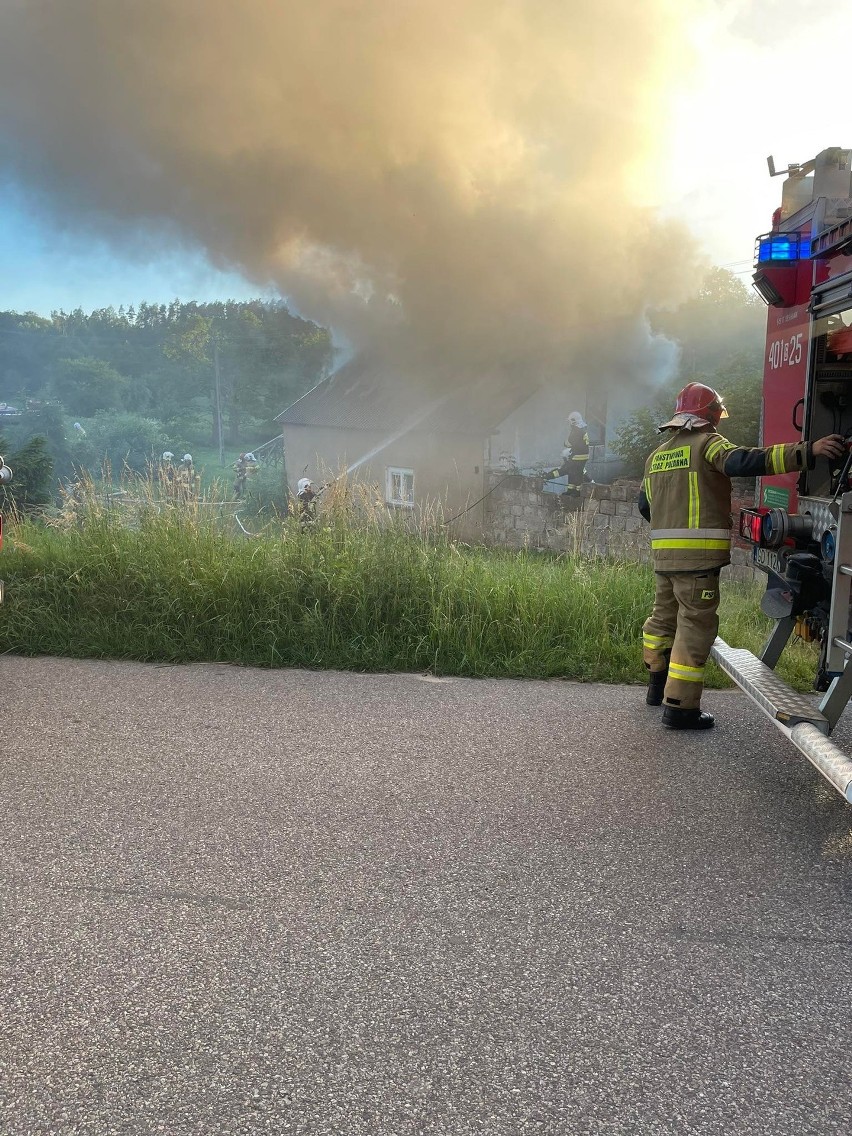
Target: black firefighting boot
{"points": [[676, 718], [656, 685]]}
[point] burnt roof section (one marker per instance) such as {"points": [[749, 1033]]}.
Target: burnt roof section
{"points": [[367, 394]]}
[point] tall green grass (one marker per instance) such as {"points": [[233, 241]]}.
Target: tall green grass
{"points": [[359, 594]]}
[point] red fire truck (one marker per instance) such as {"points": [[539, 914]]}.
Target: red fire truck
{"points": [[801, 528]]}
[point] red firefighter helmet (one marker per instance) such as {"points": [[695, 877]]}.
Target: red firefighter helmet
{"points": [[700, 402]]}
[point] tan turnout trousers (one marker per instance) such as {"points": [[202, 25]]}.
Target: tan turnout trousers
{"points": [[680, 631]]}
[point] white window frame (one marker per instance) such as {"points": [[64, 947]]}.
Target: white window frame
{"points": [[400, 502]]}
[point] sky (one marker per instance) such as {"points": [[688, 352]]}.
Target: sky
{"points": [[754, 78], [48, 267], [767, 80]]}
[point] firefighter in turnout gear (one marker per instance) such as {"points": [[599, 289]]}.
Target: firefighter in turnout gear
{"points": [[306, 497], [187, 481], [243, 467], [686, 496], [576, 453], [167, 474]]}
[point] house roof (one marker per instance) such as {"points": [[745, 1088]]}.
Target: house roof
{"points": [[372, 394]]}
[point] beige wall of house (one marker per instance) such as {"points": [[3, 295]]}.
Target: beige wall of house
{"points": [[449, 469]]}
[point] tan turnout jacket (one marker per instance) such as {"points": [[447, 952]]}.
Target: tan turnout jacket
{"points": [[688, 492]]}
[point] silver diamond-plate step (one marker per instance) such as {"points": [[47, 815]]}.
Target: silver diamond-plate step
{"points": [[764, 686], [824, 755]]}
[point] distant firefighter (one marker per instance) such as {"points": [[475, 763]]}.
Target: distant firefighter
{"points": [[576, 453], [306, 496], [188, 481], [244, 467], [167, 474]]}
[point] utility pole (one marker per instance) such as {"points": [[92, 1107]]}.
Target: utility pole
{"points": [[218, 399]]}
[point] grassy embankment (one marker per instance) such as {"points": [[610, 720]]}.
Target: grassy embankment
{"points": [[178, 586]]}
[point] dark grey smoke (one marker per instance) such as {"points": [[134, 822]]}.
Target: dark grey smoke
{"points": [[463, 172]]}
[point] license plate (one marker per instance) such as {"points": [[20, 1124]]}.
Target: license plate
{"points": [[769, 560]]}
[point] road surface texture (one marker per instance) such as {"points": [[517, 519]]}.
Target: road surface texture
{"points": [[242, 901]]}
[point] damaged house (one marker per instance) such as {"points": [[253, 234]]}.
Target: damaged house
{"points": [[420, 446]]}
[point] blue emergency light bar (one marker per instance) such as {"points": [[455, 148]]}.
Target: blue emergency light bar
{"points": [[782, 248]]}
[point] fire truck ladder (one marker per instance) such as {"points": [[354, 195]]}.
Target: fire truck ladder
{"points": [[833, 240], [805, 724]]}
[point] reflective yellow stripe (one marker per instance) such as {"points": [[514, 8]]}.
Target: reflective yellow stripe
{"points": [[693, 534], [648, 489], [697, 503], [689, 509], [579, 457], [694, 504], [656, 642], [686, 674], [698, 542], [716, 447], [776, 459]]}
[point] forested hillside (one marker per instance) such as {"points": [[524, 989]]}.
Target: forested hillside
{"points": [[124, 386], [128, 384]]}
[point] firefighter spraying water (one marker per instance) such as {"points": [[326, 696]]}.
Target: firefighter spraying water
{"points": [[244, 467], [575, 454], [801, 526]]}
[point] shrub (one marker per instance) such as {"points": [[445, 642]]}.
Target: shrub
{"points": [[121, 439]]}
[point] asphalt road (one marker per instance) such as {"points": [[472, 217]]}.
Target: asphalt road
{"points": [[242, 901]]}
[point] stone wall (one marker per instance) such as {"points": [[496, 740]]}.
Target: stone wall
{"points": [[603, 520]]}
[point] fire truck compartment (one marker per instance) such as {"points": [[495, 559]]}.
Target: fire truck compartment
{"points": [[829, 401]]}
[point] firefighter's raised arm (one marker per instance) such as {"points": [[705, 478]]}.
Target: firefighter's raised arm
{"points": [[742, 461], [789, 457]]}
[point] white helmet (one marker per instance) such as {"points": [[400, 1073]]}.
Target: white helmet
{"points": [[187, 458], [250, 457], [576, 419], [304, 483], [167, 455]]}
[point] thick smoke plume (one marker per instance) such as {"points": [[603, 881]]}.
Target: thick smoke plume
{"points": [[463, 175]]}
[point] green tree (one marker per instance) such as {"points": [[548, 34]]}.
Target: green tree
{"points": [[88, 385], [32, 482], [257, 358], [722, 319], [738, 381], [720, 332], [156, 361], [638, 436], [123, 439], [44, 420]]}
